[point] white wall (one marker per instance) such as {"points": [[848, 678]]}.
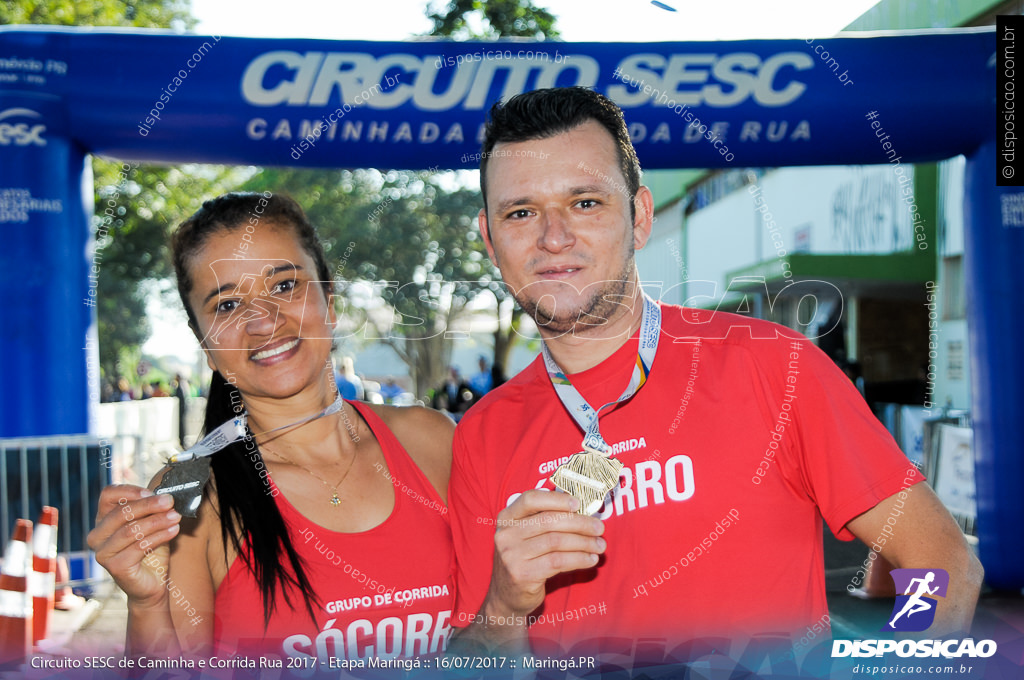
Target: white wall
{"points": [[952, 386], [839, 210], [662, 261], [720, 238], [851, 210]]}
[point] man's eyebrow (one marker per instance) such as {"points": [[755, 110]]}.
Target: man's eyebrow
{"points": [[512, 202], [573, 191], [589, 189], [274, 271]]}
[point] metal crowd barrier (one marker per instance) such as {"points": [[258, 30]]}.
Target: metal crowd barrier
{"points": [[69, 471], [66, 472]]}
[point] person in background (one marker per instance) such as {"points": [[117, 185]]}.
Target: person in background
{"points": [[454, 396], [181, 393], [497, 375], [390, 390], [107, 392], [123, 391], [481, 382], [349, 384]]}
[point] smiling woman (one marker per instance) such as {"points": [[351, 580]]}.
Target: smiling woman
{"points": [[245, 575]]}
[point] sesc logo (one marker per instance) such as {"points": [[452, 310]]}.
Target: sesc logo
{"points": [[21, 134], [914, 610]]}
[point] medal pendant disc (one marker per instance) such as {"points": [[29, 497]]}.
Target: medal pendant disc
{"points": [[185, 482], [588, 477]]}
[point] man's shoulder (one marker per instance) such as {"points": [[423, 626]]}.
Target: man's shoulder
{"points": [[690, 324]]}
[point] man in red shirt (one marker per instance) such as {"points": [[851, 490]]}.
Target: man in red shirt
{"points": [[731, 438]]}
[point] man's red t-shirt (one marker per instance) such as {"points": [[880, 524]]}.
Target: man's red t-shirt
{"points": [[743, 438]]}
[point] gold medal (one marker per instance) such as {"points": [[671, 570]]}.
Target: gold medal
{"points": [[587, 476]]}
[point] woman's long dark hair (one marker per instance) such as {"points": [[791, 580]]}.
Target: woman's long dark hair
{"points": [[248, 513]]}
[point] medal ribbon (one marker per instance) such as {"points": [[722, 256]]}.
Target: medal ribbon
{"points": [[234, 429], [582, 412]]}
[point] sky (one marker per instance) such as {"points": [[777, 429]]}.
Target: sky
{"points": [[578, 21]]}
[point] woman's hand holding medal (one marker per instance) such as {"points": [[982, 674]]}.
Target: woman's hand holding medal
{"points": [[133, 529]]}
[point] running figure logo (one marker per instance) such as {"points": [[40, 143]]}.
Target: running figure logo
{"points": [[914, 610]]}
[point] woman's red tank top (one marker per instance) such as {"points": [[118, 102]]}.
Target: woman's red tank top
{"points": [[384, 593]]}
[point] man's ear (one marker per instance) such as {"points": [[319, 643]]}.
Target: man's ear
{"points": [[485, 232], [643, 204]]}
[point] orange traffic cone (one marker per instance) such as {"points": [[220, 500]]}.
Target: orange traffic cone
{"points": [[15, 606], [44, 571], [877, 583]]}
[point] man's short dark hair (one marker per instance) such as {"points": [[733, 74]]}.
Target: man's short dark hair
{"points": [[545, 113]]}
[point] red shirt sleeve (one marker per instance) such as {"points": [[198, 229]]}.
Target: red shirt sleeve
{"points": [[848, 460], [472, 528]]}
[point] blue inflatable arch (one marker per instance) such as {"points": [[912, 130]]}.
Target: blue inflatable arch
{"points": [[155, 96]]}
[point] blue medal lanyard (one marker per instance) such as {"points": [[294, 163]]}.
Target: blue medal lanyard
{"points": [[582, 412]]}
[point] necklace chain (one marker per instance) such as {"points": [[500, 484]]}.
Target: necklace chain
{"points": [[335, 499]]}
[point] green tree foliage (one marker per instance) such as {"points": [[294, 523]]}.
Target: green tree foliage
{"points": [[175, 14], [137, 208], [498, 19], [430, 248], [486, 19]]}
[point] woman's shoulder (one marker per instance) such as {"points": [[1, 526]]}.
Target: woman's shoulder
{"points": [[425, 434], [420, 419]]}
